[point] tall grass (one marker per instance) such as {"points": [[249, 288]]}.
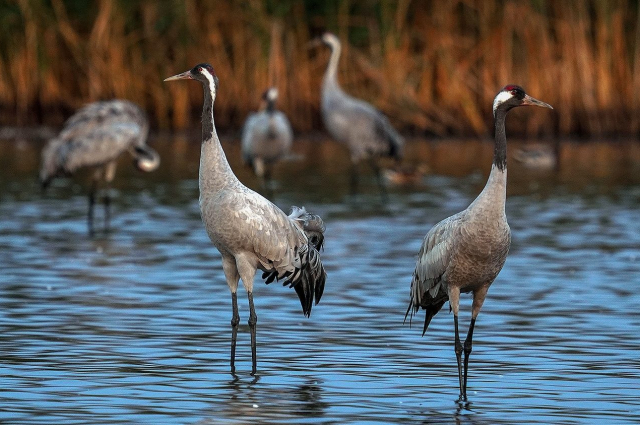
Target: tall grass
{"points": [[432, 66]]}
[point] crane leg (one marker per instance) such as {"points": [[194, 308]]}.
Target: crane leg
{"points": [[381, 186], [353, 182], [107, 209], [267, 183], [458, 350], [235, 320], [467, 352], [109, 174], [253, 319], [92, 201]]}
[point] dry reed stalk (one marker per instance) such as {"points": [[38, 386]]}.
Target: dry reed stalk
{"points": [[433, 67]]}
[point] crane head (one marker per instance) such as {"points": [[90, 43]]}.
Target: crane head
{"points": [[270, 94], [328, 39], [145, 158], [512, 96], [202, 72]]}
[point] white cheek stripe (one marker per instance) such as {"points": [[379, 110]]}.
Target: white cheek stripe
{"points": [[212, 84], [502, 97]]}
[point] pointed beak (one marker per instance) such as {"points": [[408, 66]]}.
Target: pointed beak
{"points": [[184, 76], [528, 100]]}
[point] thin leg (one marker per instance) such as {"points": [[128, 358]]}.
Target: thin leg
{"points": [[267, 184], [353, 183], [92, 201], [458, 350], [235, 320], [109, 174], [381, 186], [467, 351], [253, 319], [231, 274], [107, 209]]}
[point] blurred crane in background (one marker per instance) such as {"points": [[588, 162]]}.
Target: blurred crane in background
{"points": [[266, 138], [94, 137], [365, 130]]}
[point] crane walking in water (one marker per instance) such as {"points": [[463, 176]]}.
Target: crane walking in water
{"points": [[266, 138], [250, 232], [354, 122], [465, 252], [94, 137]]}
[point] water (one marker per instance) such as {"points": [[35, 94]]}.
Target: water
{"points": [[133, 326]]}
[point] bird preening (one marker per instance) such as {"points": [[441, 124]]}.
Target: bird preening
{"points": [[94, 137], [465, 252], [250, 232]]}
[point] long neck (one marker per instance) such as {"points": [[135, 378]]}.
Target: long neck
{"points": [[500, 149], [330, 75], [494, 195], [271, 106], [215, 172]]}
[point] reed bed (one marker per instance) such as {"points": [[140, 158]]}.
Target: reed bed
{"points": [[432, 66]]}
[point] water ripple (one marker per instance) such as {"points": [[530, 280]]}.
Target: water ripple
{"points": [[133, 326]]}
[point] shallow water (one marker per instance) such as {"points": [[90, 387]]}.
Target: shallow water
{"points": [[133, 326]]}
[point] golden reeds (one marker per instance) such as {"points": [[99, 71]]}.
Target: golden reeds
{"points": [[432, 66]]}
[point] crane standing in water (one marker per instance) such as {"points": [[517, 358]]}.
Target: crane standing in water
{"points": [[266, 138], [94, 137], [250, 232], [465, 252], [354, 122]]}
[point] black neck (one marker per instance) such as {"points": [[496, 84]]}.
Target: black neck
{"points": [[500, 149], [207, 113], [271, 106]]}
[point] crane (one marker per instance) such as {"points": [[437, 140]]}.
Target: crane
{"points": [[94, 137], [465, 252], [266, 138], [365, 130], [250, 232]]}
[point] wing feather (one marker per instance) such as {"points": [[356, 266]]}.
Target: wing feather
{"points": [[286, 252], [428, 286]]}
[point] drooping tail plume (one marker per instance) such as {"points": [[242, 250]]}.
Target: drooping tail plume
{"points": [[308, 280]]}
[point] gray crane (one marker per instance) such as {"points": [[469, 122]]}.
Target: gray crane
{"points": [[266, 138], [250, 232], [94, 137], [465, 252], [365, 130]]}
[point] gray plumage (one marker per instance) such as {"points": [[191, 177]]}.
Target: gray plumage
{"points": [[266, 137], [365, 130], [94, 137], [465, 252], [250, 232]]}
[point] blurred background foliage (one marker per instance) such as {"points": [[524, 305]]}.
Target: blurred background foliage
{"points": [[432, 66]]}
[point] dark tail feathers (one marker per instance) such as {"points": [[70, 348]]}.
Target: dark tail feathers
{"points": [[309, 280], [430, 311]]}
